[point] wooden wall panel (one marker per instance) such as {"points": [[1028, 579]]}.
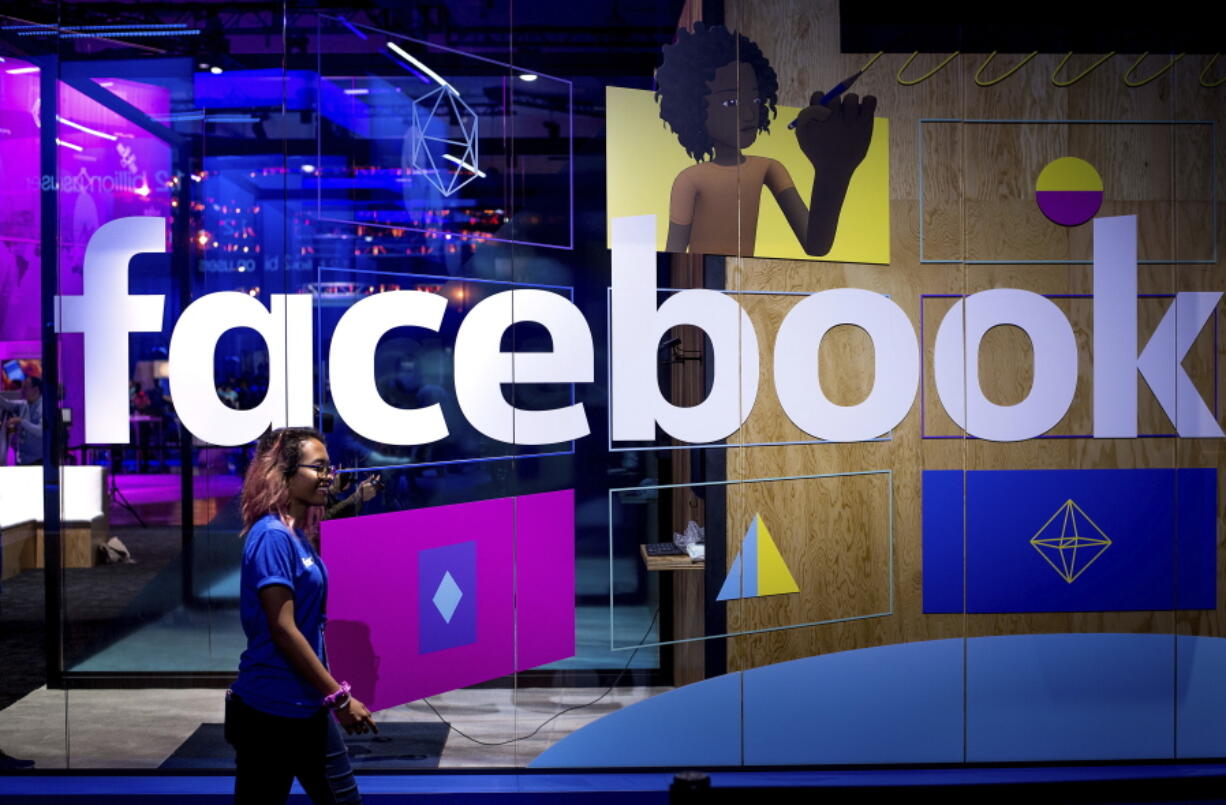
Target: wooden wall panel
{"points": [[978, 182]]}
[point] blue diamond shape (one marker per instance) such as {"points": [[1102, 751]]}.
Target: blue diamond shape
{"points": [[447, 597]]}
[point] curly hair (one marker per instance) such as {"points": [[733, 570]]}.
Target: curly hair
{"points": [[682, 78], [266, 485]]}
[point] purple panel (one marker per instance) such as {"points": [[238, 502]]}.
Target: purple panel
{"points": [[545, 582], [1069, 207], [447, 596], [522, 572]]}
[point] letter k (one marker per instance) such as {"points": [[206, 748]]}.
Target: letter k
{"points": [[1116, 362]]}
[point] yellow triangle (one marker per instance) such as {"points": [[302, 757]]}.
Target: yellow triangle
{"points": [[774, 578]]}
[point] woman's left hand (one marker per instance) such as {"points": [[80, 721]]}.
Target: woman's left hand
{"points": [[355, 718]]}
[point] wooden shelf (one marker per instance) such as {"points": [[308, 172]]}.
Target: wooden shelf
{"points": [[670, 562]]}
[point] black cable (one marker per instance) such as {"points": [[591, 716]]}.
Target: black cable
{"points": [[561, 712]]}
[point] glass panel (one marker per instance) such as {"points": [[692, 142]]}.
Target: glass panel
{"points": [[32, 714], [160, 139], [1071, 543], [1198, 652], [409, 189]]}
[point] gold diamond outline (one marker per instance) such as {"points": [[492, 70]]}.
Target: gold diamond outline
{"points": [[1063, 542], [1035, 542]]}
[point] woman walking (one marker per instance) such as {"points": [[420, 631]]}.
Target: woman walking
{"points": [[283, 711]]}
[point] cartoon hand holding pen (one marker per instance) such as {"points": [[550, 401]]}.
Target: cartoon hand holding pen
{"points": [[834, 131]]}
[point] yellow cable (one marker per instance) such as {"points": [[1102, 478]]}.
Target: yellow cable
{"points": [[872, 61], [926, 75], [1056, 82], [1205, 72], [1008, 73], [1137, 64], [1080, 75]]}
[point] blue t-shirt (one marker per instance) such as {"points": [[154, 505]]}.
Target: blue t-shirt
{"points": [[275, 554]]}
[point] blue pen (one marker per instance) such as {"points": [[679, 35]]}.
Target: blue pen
{"points": [[838, 90]]}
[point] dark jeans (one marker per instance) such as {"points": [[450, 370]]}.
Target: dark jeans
{"points": [[270, 751]]}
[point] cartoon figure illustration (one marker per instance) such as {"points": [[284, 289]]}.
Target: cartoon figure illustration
{"points": [[717, 91]]}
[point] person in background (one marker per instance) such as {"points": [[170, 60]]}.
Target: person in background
{"points": [[25, 421], [351, 505], [228, 392], [4, 436], [137, 398], [283, 710]]}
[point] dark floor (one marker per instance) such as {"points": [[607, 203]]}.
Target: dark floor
{"points": [[100, 604]]}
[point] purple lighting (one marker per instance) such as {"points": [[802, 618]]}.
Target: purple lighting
{"points": [[20, 279]]}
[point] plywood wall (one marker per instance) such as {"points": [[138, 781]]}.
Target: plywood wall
{"points": [[840, 533]]}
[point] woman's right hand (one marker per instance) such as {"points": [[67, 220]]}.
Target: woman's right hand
{"points": [[355, 718], [836, 137], [368, 488]]}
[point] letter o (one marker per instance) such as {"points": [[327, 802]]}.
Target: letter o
{"points": [[798, 376], [956, 364]]}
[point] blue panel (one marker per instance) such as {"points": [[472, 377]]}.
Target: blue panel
{"points": [[1070, 697], [1028, 698], [335, 105], [447, 608], [269, 87], [254, 89], [1196, 492], [699, 724], [1201, 697], [1124, 522], [942, 533], [891, 704], [572, 787]]}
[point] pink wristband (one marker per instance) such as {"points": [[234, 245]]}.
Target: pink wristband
{"points": [[336, 699]]}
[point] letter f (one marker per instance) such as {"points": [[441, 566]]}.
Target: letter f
{"points": [[105, 313]]}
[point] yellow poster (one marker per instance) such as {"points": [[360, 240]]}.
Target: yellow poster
{"points": [[644, 161]]}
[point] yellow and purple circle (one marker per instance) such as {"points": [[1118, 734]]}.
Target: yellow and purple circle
{"points": [[1069, 191]]}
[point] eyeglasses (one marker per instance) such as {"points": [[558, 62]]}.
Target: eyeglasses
{"points": [[320, 469]]}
